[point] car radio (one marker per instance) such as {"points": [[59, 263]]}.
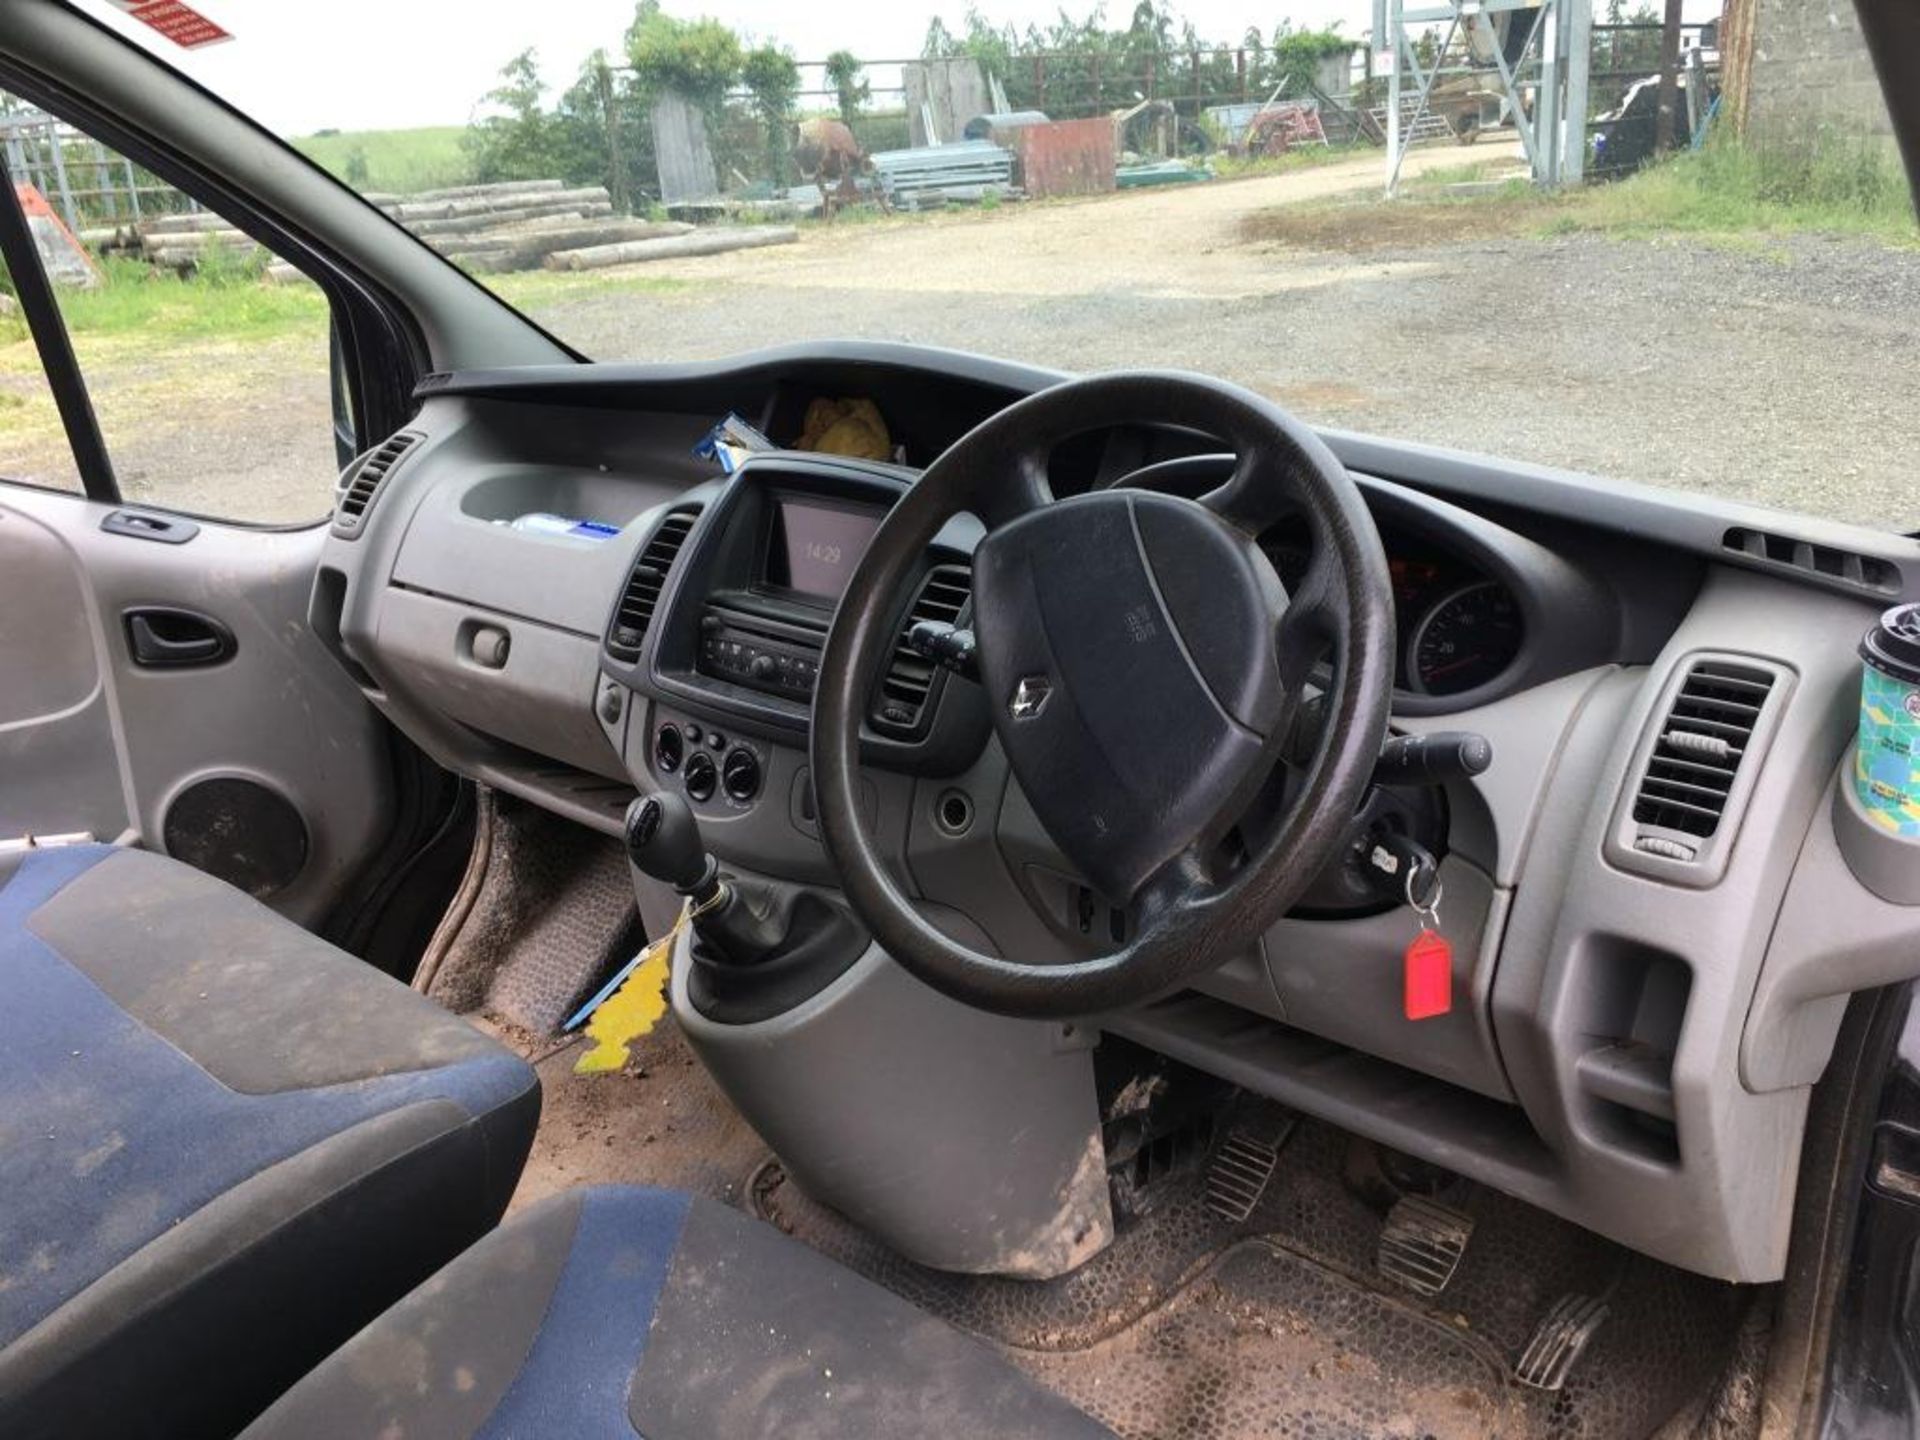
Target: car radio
{"points": [[768, 636], [735, 647]]}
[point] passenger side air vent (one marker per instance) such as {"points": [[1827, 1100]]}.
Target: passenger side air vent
{"points": [[1696, 759], [644, 583], [1859, 572], [1699, 762], [902, 704], [363, 485]]}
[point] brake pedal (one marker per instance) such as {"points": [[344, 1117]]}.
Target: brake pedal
{"points": [[1422, 1243], [1239, 1173], [1560, 1340]]}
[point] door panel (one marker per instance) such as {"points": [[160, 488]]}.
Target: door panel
{"points": [[90, 740]]}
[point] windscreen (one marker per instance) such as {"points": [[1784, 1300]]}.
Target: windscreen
{"points": [[1667, 244]]}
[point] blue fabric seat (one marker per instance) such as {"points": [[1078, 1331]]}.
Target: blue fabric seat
{"points": [[617, 1311], [224, 1146]]}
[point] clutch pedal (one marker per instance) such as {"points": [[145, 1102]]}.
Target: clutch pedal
{"points": [[1560, 1340], [1422, 1243]]}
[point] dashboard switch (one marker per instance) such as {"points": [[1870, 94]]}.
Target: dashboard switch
{"points": [[702, 776], [740, 774], [668, 749]]}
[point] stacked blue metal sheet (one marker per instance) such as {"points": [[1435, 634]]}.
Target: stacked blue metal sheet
{"points": [[935, 174]]}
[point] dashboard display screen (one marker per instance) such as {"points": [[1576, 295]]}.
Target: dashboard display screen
{"points": [[815, 546]]}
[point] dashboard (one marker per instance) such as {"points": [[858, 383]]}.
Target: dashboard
{"points": [[1461, 628], [1639, 1012]]}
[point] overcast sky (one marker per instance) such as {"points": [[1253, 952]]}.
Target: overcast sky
{"points": [[372, 64]]}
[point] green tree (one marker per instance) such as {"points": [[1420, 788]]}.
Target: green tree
{"points": [[1296, 54], [939, 44], [699, 60], [515, 140], [773, 80], [850, 88]]}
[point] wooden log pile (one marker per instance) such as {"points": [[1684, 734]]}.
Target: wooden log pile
{"points": [[712, 241], [513, 225]]}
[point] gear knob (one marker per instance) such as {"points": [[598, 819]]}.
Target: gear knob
{"points": [[663, 840]]}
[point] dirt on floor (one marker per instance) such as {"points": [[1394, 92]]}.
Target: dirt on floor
{"points": [[660, 1121]]}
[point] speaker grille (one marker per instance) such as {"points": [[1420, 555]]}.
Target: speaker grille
{"points": [[238, 831]]}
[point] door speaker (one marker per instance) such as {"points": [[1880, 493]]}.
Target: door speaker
{"points": [[239, 831]]}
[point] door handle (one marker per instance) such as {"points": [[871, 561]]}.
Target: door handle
{"points": [[142, 525], [162, 638]]}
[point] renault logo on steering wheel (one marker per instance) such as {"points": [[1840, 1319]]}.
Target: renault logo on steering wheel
{"points": [[1030, 697]]}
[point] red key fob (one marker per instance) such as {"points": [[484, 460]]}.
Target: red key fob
{"points": [[1429, 976]]}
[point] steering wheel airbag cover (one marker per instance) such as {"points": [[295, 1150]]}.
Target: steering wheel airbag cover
{"points": [[1126, 643]]}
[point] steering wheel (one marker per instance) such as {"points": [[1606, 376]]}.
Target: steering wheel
{"points": [[1144, 665]]}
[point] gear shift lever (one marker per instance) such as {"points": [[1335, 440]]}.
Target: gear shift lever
{"points": [[663, 840], [733, 923], [757, 948]]}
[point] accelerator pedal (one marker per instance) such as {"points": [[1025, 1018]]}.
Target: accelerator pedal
{"points": [[1240, 1170], [1422, 1243], [1560, 1340]]}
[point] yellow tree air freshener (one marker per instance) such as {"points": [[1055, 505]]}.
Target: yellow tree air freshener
{"points": [[629, 1007]]}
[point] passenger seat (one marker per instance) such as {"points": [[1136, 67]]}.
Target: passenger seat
{"points": [[225, 1146], [620, 1311]]}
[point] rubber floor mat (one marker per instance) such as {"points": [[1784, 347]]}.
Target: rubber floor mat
{"points": [[1190, 1327], [1193, 1328]]}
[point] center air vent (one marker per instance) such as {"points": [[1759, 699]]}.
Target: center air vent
{"points": [[1699, 766], [644, 583], [357, 495], [907, 688]]}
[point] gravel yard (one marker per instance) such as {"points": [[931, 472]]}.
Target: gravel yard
{"points": [[1771, 371]]}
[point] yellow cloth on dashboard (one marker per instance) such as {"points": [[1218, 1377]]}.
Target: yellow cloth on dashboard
{"points": [[853, 428]]}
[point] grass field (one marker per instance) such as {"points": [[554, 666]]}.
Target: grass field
{"points": [[397, 161], [1724, 192]]}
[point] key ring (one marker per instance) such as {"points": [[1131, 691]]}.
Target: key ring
{"points": [[1428, 909]]}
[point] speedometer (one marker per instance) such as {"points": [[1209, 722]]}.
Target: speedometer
{"points": [[1465, 641]]}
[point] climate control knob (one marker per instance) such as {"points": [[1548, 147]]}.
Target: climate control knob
{"points": [[740, 774], [701, 775], [668, 747]]}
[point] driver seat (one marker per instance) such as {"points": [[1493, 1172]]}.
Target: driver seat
{"points": [[622, 1311]]}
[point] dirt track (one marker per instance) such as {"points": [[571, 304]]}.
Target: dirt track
{"points": [[1760, 371], [1769, 371]]}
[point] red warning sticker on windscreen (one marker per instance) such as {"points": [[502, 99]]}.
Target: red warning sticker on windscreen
{"points": [[180, 23]]}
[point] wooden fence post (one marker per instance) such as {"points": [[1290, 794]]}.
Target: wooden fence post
{"points": [[1663, 119]]}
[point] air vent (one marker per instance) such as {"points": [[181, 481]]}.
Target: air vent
{"points": [[901, 707], [1861, 572], [357, 496], [645, 582], [1708, 730]]}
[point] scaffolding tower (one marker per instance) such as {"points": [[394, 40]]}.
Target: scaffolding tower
{"points": [[1532, 56]]}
